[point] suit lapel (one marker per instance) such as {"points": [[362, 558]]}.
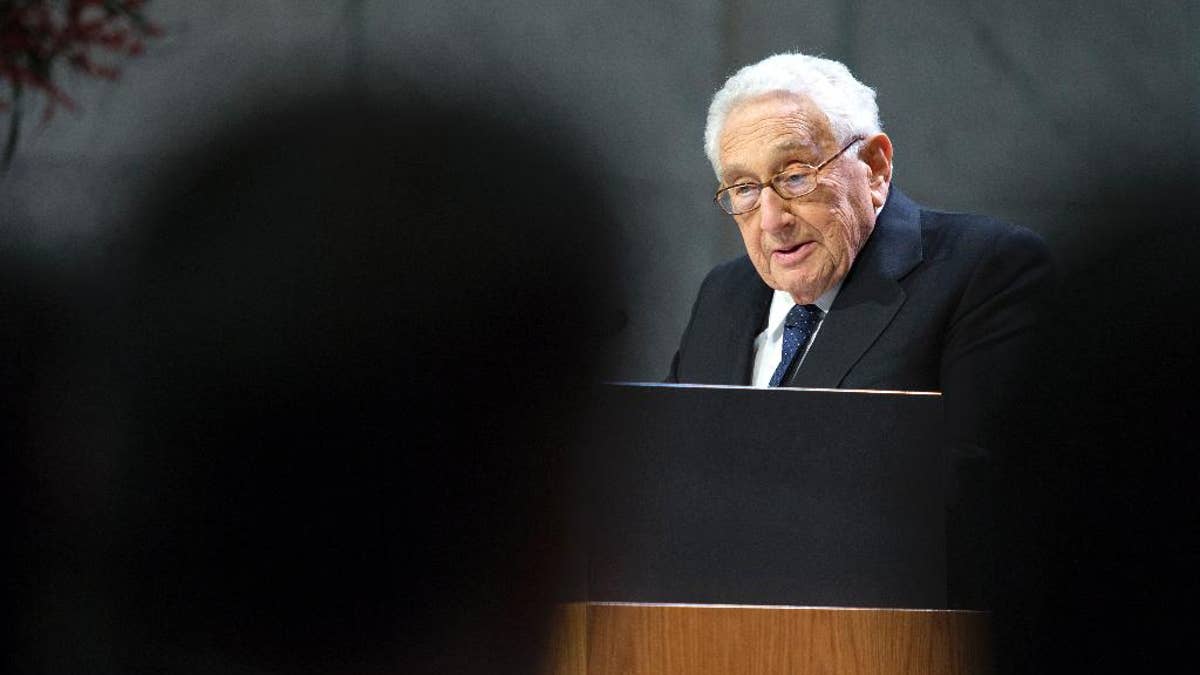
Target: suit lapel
{"points": [[746, 320], [869, 298]]}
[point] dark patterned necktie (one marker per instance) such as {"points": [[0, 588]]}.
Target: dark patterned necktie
{"points": [[797, 328]]}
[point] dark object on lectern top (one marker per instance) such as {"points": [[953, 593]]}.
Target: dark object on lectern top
{"points": [[781, 496]]}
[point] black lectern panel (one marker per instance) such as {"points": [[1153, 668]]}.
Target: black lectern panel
{"points": [[750, 496]]}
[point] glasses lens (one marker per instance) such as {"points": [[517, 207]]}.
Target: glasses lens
{"points": [[739, 198], [796, 183]]}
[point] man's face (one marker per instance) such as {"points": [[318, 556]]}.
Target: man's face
{"points": [[804, 245]]}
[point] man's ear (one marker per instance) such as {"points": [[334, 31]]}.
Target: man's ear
{"points": [[876, 153]]}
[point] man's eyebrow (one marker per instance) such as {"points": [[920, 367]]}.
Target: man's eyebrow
{"points": [[783, 147], [792, 145], [734, 170]]}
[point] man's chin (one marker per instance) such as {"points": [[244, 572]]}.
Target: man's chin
{"points": [[803, 292], [806, 288]]}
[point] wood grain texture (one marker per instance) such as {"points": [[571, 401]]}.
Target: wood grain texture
{"points": [[567, 652], [636, 639]]}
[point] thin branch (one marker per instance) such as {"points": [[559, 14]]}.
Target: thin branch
{"points": [[14, 128]]}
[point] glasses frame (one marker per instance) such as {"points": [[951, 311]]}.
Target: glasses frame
{"points": [[812, 171]]}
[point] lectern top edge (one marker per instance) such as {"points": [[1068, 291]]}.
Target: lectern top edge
{"points": [[693, 605], [672, 385]]}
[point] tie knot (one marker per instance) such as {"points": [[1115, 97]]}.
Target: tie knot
{"points": [[800, 316]]}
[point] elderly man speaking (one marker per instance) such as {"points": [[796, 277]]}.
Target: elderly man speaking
{"points": [[846, 282]]}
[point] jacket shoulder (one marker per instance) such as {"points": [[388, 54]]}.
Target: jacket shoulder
{"points": [[732, 278], [714, 348], [967, 236]]}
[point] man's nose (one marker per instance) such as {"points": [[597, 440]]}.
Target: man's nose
{"points": [[772, 209]]}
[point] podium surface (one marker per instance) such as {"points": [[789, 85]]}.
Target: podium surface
{"points": [[745, 496]]}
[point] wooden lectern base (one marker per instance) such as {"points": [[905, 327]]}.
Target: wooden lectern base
{"points": [[650, 639]]}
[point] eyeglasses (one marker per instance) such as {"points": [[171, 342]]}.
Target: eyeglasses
{"points": [[796, 181]]}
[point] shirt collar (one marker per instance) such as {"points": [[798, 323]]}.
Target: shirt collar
{"points": [[782, 303]]}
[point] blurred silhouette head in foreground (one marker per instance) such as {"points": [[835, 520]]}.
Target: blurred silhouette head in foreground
{"points": [[1101, 548], [354, 339]]}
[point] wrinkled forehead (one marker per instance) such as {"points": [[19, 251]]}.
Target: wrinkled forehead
{"points": [[772, 124]]}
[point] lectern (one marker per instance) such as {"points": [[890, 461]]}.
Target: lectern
{"points": [[739, 530]]}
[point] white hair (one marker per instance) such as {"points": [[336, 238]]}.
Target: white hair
{"points": [[847, 103]]}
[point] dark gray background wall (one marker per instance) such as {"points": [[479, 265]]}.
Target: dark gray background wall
{"points": [[1011, 108]]}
